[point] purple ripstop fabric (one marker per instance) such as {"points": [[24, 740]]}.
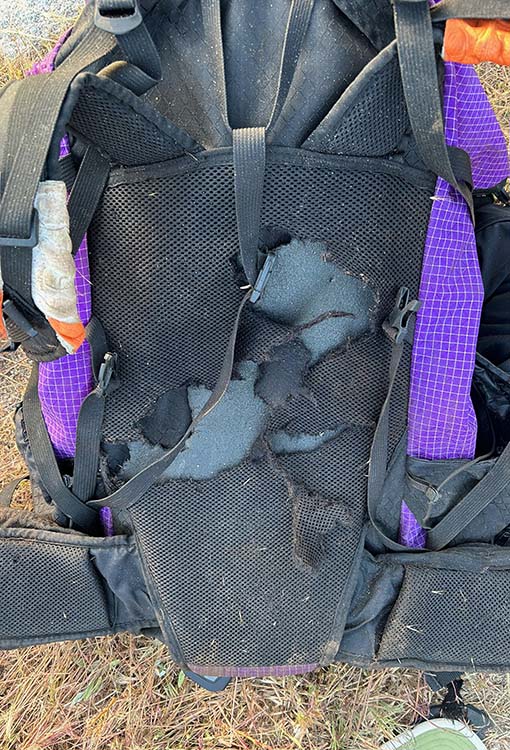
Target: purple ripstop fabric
{"points": [[442, 423], [64, 383]]}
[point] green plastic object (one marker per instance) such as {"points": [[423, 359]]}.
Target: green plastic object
{"points": [[437, 734]]}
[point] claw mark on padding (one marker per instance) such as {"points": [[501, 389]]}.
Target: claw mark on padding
{"points": [[283, 443]]}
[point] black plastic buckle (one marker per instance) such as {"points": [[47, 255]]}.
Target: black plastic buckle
{"points": [[118, 21], [262, 278], [396, 326], [213, 684], [107, 371], [31, 241]]}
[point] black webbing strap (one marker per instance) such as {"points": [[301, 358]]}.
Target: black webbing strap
{"points": [[47, 92], [486, 491], [297, 26], [249, 144], [86, 193], [22, 173], [379, 453], [135, 487], [485, 9], [81, 516], [417, 58], [7, 492], [396, 328], [141, 69], [90, 418], [249, 169], [211, 19]]}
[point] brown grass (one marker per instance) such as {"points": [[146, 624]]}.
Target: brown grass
{"points": [[124, 693]]}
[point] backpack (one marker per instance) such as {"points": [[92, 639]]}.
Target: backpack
{"points": [[237, 241]]}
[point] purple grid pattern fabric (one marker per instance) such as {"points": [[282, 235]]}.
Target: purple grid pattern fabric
{"points": [[442, 423], [275, 671], [64, 384]]}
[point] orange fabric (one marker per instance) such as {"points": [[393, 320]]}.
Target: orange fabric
{"points": [[471, 42], [72, 333], [3, 330]]}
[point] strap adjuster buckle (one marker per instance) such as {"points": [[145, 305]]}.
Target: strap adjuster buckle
{"points": [[396, 326], [262, 278], [107, 371], [31, 241], [117, 20]]}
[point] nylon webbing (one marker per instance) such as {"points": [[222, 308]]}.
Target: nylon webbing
{"points": [[297, 26], [211, 18], [379, 452], [485, 492], [90, 418], [86, 193], [249, 170], [81, 515], [417, 58], [487, 9], [7, 492], [141, 482], [47, 94]]}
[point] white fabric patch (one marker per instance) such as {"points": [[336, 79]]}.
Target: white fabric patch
{"points": [[53, 267]]}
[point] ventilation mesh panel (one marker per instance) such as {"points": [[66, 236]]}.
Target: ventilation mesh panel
{"points": [[373, 125], [49, 590], [227, 576], [441, 617]]}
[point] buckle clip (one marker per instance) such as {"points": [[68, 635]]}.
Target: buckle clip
{"points": [[396, 326], [263, 277], [117, 21], [31, 241], [107, 371]]}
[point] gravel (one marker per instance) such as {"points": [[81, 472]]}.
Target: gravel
{"points": [[25, 23]]}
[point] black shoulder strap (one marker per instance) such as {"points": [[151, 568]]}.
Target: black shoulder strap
{"points": [[417, 57], [39, 99]]}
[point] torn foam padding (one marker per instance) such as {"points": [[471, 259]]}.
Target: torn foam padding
{"points": [[283, 443], [168, 419], [304, 286], [282, 376], [53, 267], [222, 440]]}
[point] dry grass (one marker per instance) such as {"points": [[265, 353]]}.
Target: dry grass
{"points": [[124, 693]]}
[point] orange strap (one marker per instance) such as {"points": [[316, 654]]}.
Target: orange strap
{"points": [[475, 41]]}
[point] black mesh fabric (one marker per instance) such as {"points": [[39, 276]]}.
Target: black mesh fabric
{"points": [[441, 617], [50, 590], [252, 566], [178, 307], [372, 119], [104, 109], [228, 580]]}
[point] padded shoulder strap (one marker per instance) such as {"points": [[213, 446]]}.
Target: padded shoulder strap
{"points": [[418, 66], [39, 100]]}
